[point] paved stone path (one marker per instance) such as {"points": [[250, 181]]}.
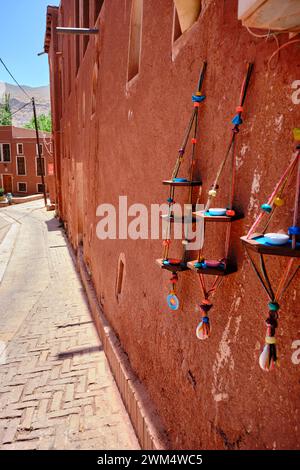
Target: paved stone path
{"points": [[56, 389]]}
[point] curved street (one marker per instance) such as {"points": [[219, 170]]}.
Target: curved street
{"points": [[56, 388]]}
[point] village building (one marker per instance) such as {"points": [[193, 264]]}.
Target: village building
{"points": [[121, 97], [20, 167]]}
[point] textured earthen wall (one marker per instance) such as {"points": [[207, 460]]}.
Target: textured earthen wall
{"points": [[210, 394]]}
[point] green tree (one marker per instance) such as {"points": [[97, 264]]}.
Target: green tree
{"points": [[5, 111], [44, 123]]}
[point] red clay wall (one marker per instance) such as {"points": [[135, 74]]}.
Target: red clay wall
{"points": [[14, 136], [210, 394]]}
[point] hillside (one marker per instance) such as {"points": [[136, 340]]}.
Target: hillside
{"points": [[18, 99]]}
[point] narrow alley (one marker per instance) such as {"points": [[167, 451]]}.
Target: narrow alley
{"points": [[56, 388]]}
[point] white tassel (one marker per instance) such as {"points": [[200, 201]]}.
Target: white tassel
{"points": [[268, 358]]}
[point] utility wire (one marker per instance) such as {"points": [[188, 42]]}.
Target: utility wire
{"points": [[24, 105], [21, 88]]}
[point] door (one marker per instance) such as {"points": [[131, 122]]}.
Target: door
{"points": [[7, 183]]}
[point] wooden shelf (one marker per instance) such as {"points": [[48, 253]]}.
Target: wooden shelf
{"points": [[176, 220], [258, 244], [172, 267], [182, 183], [216, 218], [211, 271]]}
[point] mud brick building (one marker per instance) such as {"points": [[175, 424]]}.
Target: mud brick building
{"points": [[20, 171], [121, 99]]}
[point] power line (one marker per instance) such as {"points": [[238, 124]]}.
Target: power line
{"points": [[24, 105], [21, 88]]}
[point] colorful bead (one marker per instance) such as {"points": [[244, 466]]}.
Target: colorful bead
{"points": [[267, 208], [239, 109], [198, 98], [196, 105], [173, 301], [294, 230], [230, 213], [194, 141], [212, 192], [273, 306], [270, 340], [237, 120], [170, 200], [200, 264], [166, 242], [296, 132], [278, 201]]}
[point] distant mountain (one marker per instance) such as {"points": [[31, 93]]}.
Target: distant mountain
{"points": [[18, 99]]}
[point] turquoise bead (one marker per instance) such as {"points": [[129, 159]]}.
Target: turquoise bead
{"points": [[273, 306], [266, 208]]}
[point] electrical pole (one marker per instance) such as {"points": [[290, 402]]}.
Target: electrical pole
{"points": [[39, 151]]}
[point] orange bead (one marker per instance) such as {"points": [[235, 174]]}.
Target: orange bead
{"points": [[194, 141], [239, 109], [230, 213], [196, 105]]}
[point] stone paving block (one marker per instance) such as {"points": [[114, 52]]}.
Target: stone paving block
{"points": [[11, 431], [57, 400], [26, 423]]}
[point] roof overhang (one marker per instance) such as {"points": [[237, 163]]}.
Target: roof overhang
{"points": [[51, 11]]}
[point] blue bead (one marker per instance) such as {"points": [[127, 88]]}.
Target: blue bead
{"points": [[170, 199], [198, 99], [200, 264], [294, 230], [173, 301], [205, 319], [237, 120], [266, 208]]}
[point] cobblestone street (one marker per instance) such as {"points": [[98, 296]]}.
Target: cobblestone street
{"points": [[56, 388]]}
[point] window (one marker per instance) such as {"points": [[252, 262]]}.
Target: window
{"points": [[120, 276], [185, 14], [86, 23], [41, 149], [38, 166], [20, 149], [21, 168], [40, 188], [135, 39], [97, 5], [22, 187], [176, 26], [5, 153]]}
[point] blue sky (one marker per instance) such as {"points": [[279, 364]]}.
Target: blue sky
{"points": [[21, 38]]}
